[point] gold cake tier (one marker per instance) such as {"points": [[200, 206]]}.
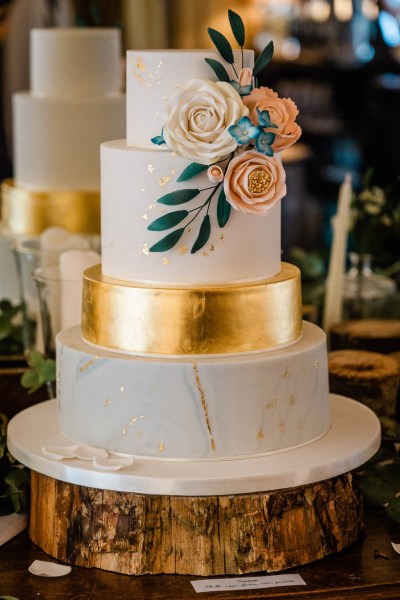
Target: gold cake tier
{"points": [[29, 212], [138, 319]]}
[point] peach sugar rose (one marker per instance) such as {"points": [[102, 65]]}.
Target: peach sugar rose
{"points": [[282, 112], [254, 182]]}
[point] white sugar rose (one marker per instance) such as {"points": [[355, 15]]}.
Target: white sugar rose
{"points": [[198, 120]]}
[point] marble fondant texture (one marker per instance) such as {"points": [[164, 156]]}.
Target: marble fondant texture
{"points": [[222, 407]]}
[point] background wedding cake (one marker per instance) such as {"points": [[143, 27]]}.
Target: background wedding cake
{"points": [[193, 361]]}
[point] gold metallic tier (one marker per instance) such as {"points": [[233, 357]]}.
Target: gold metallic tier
{"points": [[138, 319], [29, 212]]}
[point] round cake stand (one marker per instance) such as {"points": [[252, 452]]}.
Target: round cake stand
{"points": [[198, 517]]}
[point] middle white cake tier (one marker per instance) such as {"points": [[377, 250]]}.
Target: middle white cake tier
{"points": [[210, 408], [132, 180]]}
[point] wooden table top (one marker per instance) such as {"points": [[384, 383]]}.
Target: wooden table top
{"points": [[369, 570]]}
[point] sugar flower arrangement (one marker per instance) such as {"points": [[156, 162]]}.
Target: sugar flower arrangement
{"points": [[233, 130]]}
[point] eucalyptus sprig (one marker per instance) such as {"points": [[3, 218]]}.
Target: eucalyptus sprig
{"points": [[183, 196], [41, 372]]}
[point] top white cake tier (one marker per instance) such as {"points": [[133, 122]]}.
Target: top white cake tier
{"points": [[75, 62], [152, 78]]}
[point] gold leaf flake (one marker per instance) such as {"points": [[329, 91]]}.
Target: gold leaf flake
{"points": [[142, 189], [182, 250], [172, 171], [151, 168], [316, 363], [166, 260], [107, 402], [164, 180], [124, 431], [144, 249], [133, 421], [282, 425], [122, 389], [139, 64], [161, 446], [288, 372], [145, 217], [260, 434], [205, 254]]}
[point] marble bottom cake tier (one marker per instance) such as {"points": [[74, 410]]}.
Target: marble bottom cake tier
{"points": [[200, 407]]}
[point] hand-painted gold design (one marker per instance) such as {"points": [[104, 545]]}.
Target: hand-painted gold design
{"points": [[203, 404], [28, 212], [144, 319]]}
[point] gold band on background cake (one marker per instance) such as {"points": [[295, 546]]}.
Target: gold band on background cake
{"points": [[29, 212], [135, 318]]}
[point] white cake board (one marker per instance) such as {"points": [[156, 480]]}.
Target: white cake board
{"points": [[353, 438]]}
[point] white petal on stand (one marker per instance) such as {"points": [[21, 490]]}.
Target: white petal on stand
{"points": [[43, 568], [59, 452], [111, 464], [85, 452], [396, 547]]}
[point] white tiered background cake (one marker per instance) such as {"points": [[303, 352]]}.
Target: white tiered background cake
{"points": [[74, 104], [194, 396]]}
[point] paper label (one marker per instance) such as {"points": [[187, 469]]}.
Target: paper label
{"points": [[246, 583]]}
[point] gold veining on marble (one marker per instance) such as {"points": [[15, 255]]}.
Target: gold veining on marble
{"points": [[203, 403], [119, 314], [88, 364], [30, 212]]}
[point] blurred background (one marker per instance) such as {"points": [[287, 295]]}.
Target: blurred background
{"points": [[339, 60]]}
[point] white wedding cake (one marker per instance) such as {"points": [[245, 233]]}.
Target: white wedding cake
{"points": [[193, 408], [191, 354]]}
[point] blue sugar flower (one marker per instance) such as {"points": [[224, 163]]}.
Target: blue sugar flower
{"points": [[264, 119], [244, 131], [243, 90], [264, 143]]}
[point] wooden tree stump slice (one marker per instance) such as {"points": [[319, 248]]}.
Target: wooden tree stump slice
{"points": [[374, 335], [370, 377], [137, 534]]}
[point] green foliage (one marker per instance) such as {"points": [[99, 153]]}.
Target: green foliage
{"points": [[178, 197], [204, 234], [42, 370], [14, 478], [264, 59], [191, 171], [218, 69], [12, 328], [223, 209], [168, 221], [237, 27], [381, 485], [168, 242], [222, 45]]}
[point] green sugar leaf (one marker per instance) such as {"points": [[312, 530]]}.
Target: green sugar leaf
{"points": [[168, 221], [264, 59], [204, 234], [237, 27], [168, 241], [223, 209], [218, 69], [193, 169], [221, 44], [178, 197]]}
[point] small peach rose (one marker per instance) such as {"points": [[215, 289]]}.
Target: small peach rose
{"points": [[215, 174], [254, 182], [282, 113], [245, 76]]}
